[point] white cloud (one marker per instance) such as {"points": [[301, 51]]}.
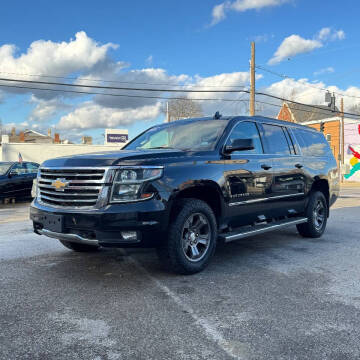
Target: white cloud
{"points": [[219, 11], [227, 80], [324, 33], [44, 110], [81, 54], [61, 59], [309, 93], [339, 35], [94, 116], [329, 34], [326, 70], [293, 45], [140, 78]]}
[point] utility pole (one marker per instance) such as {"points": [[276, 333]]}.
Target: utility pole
{"points": [[342, 137], [252, 80], [167, 113]]}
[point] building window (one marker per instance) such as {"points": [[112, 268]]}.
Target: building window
{"points": [[328, 137]]}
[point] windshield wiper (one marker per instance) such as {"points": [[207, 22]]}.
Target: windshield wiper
{"points": [[161, 147]]}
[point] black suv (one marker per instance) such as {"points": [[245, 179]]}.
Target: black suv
{"points": [[184, 186]]}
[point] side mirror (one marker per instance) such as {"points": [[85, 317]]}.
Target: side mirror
{"points": [[239, 145]]}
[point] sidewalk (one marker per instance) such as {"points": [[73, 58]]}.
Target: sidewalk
{"points": [[350, 184]]}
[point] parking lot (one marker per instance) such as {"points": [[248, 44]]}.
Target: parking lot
{"points": [[273, 296]]}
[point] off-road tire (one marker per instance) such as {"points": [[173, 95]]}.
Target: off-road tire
{"points": [[79, 247], [171, 253], [309, 229]]}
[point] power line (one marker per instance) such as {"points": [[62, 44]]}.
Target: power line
{"points": [[109, 94], [118, 81], [302, 104], [161, 90], [305, 84], [117, 88]]}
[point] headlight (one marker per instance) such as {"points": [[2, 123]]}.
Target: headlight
{"points": [[129, 182]]}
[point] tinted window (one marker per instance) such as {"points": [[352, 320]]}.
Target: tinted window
{"points": [[290, 141], [246, 130], [19, 169], [275, 140], [312, 143], [32, 168], [4, 167]]}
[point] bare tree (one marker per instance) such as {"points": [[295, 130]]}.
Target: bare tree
{"points": [[355, 109], [182, 108]]}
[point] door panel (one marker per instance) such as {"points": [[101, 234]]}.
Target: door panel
{"points": [[288, 176], [248, 187], [19, 180], [247, 183], [289, 184]]}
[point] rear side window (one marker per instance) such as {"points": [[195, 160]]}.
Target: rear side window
{"points": [[275, 140], [312, 143], [19, 169]]}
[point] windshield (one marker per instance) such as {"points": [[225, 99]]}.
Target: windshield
{"points": [[4, 167], [195, 135]]}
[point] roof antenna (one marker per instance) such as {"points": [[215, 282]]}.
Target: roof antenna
{"points": [[217, 116]]}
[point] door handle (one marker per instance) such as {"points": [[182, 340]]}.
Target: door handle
{"points": [[299, 166], [266, 167]]}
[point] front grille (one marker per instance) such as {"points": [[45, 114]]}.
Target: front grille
{"points": [[68, 187]]}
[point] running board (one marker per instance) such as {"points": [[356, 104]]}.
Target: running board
{"points": [[254, 230]]}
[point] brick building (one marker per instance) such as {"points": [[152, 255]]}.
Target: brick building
{"points": [[32, 136], [315, 116]]}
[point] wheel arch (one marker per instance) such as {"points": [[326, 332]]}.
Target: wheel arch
{"points": [[207, 191], [322, 185]]}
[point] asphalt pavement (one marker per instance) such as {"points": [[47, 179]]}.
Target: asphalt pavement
{"points": [[273, 296]]}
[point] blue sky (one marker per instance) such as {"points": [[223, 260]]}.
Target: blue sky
{"points": [[181, 42]]}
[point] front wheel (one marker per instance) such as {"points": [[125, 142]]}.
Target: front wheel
{"points": [[316, 212], [191, 240], [79, 247]]}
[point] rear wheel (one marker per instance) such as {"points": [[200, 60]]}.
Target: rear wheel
{"points": [[191, 240], [316, 212], [79, 247]]}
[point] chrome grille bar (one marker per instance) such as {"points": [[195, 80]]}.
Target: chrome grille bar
{"points": [[77, 187], [72, 187], [67, 200], [70, 194]]}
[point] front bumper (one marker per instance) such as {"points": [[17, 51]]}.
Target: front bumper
{"points": [[68, 237], [149, 219]]}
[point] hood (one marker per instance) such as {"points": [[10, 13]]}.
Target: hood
{"points": [[113, 158]]}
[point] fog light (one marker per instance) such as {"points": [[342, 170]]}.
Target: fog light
{"points": [[129, 235]]}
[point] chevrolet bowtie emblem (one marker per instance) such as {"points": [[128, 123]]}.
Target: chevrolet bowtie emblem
{"points": [[60, 184]]}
